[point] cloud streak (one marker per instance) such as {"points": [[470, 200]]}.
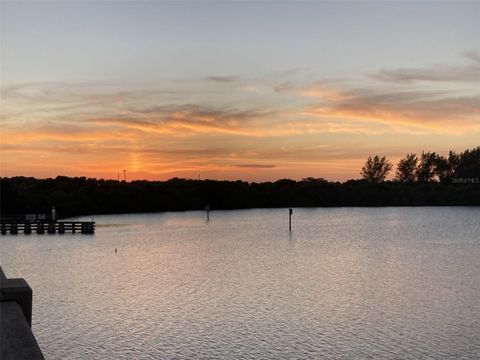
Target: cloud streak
{"points": [[277, 125], [427, 110], [223, 79], [469, 72], [254, 166], [191, 119]]}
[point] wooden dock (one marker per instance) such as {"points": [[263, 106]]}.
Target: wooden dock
{"points": [[15, 227]]}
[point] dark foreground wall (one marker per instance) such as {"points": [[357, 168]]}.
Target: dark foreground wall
{"points": [[16, 339], [82, 196]]}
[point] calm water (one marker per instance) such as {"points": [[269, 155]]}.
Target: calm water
{"points": [[348, 283]]}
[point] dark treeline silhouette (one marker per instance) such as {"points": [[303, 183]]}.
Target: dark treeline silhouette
{"points": [[429, 167], [418, 183]]}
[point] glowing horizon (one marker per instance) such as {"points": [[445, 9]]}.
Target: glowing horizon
{"points": [[234, 91]]}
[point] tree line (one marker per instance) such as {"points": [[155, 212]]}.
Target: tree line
{"points": [[428, 167], [418, 182]]}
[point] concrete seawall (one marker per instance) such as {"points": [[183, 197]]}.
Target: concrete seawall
{"points": [[16, 338]]}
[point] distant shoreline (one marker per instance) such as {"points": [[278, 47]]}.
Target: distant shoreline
{"points": [[82, 197]]}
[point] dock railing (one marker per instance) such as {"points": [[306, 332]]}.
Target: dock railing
{"points": [[16, 226]]}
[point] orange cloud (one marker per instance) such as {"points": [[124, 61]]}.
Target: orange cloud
{"points": [[435, 111], [323, 91], [322, 129]]}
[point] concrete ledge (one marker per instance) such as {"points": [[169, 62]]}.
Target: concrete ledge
{"points": [[18, 290], [16, 339]]}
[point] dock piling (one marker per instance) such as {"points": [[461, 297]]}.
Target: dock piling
{"points": [[41, 227], [207, 209], [290, 212]]}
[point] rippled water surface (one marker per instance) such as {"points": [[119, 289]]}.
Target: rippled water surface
{"points": [[347, 283]]}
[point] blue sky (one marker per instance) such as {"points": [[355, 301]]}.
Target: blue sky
{"points": [[147, 41], [179, 88]]}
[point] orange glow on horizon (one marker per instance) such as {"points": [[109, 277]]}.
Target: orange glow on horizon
{"points": [[323, 130]]}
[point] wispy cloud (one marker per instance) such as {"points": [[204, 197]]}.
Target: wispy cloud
{"points": [[467, 72], [254, 166], [191, 119], [223, 79], [275, 124], [472, 55], [429, 110], [404, 102], [62, 132], [325, 90]]}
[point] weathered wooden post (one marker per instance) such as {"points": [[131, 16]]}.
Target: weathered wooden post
{"points": [[290, 212], [51, 228], [40, 228], [13, 229]]}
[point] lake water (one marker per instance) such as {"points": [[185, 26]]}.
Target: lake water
{"points": [[347, 283]]}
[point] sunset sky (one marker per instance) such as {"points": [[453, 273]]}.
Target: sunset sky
{"points": [[224, 90]]}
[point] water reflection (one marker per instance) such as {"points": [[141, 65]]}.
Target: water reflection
{"points": [[345, 283]]}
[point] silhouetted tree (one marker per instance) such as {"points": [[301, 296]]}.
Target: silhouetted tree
{"points": [[376, 169], [426, 167], [443, 168], [468, 164], [406, 168], [453, 159], [314, 180]]}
